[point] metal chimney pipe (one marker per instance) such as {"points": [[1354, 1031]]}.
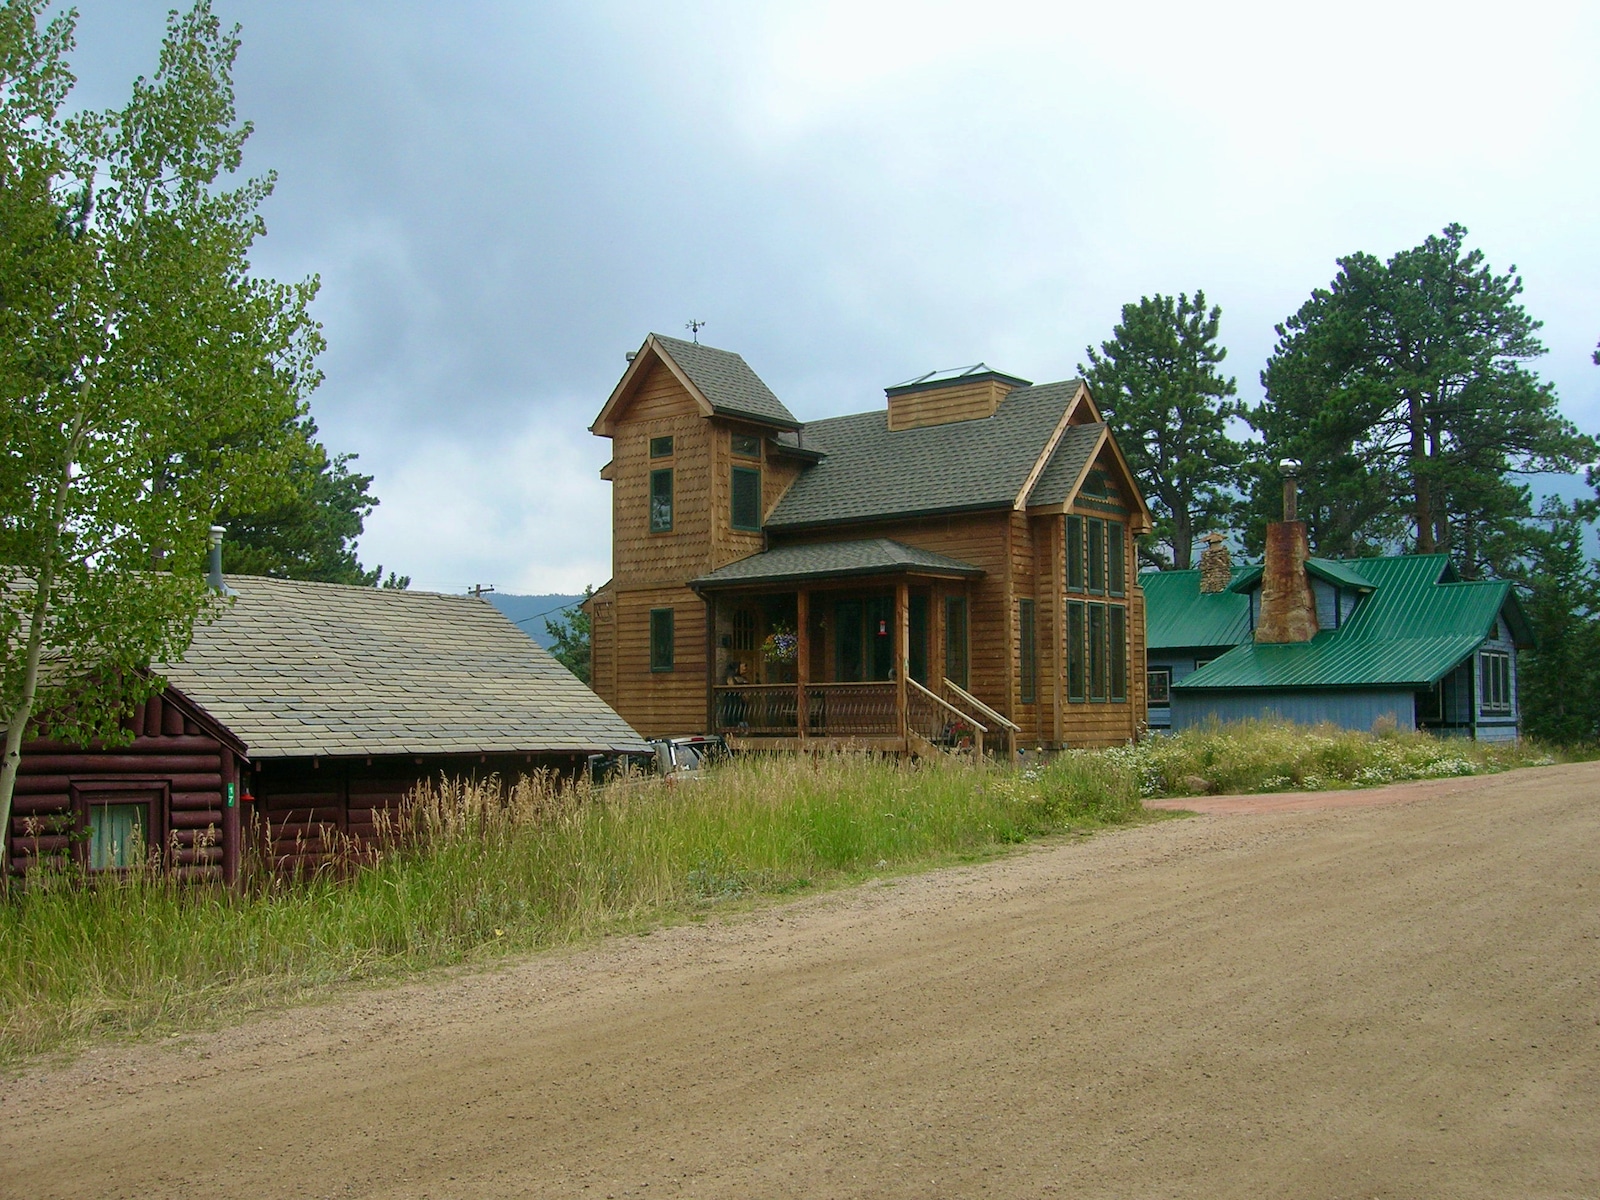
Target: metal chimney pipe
{"points": [[214, 571], [1290, 468]]}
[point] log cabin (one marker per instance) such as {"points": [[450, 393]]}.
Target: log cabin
{"points": [[299, 714], [954, 566]]}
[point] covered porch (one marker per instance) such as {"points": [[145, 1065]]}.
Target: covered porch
{"points": [[863, 643]]}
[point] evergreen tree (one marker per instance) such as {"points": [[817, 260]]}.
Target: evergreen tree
{"points": [[1559, 679], [570, 631], [310, 532], [1403, 390], [1157, 383]]}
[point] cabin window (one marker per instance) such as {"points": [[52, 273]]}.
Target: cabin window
{"points": [[744, 629], [1075, 554], [747, 445], [661, 447], [1117, 650], [1494, 668], [662, 641], [1028, 651], [1075, 675], [1158, 685], [1094, 484], [661, 501], [955, 640], [1097, 651], [746, 498], [1097, 555], [1116, 559], [119, 833]]}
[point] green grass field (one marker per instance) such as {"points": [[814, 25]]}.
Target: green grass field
{"points": [[471, 873]]}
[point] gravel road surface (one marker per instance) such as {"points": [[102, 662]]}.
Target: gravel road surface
{"points": [[1393, 993]]}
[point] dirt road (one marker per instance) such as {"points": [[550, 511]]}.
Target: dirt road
{"points": [[1397, 1001]]}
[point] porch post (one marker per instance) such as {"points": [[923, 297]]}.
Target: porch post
{"points": [[802, 661], [902, 656]]}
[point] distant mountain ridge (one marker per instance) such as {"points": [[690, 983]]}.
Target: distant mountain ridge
{"points": [[531, 612]]}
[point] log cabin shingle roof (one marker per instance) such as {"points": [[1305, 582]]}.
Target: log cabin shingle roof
{"points": [[831, 560], [317, 669], [727, 382]]}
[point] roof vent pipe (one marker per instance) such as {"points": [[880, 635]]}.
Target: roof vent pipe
{"points": [[1290, 468], [214, 568]]}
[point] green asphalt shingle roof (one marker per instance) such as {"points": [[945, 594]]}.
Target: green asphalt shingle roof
{"points": [[300, 669], [1410, 631], [727, 381], [870, 473], [1179, 615], [870, 556]]}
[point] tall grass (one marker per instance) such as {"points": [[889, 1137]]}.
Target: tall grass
{"points": [[468, 871], [465, 872]]}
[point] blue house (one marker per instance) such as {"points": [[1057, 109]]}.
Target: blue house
{"points": [[1348, 641]]}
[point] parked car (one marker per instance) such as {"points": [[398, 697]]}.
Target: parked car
{"points": [[605, 767], [683, 757]]}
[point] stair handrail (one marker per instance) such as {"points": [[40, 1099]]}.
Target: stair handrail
{"points": [[947, 706], [979, 705]]}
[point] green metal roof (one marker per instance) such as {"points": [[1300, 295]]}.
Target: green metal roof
{"points": [[1330, 570], [1178, 614], [831, 560], [870, 472], [1418, 622]]}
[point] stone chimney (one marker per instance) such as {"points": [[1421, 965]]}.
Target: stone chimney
{"points": [[1288, 609], [1216, 568]]}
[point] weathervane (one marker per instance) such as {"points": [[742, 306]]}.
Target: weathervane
{"points": [[694, 327]]}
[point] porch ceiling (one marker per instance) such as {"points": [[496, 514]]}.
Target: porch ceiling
{"points": [[834, 560]]}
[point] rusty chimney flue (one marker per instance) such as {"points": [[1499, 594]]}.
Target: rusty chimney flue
{"points": [[1289, 468]]}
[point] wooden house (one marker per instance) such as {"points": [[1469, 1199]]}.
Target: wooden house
{"points": [[955, 565], [297, 715], [1400, 638]]}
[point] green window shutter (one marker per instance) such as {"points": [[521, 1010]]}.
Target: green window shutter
{"points": [[662, 639], [746, 513], [1028, 651], [1097, 555], [1075, 554], [1116, 559], [661, 501], [1117, 635], [1075, 673]]}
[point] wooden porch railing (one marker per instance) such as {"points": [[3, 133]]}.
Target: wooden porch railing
{"points": [[936, 720], [839, 710], [1010, 727]]}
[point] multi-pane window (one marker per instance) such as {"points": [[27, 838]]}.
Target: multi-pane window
{"points": [[1028, 650], [955, 639], [746, 445], [661, 501], [1117, 649], [1097, 651], [746, 512], [1494, 671], [1158, 685], [1116, 559], [1075, 674], [1097, 555], [661, 447], [662, 643], [1075, 553]]}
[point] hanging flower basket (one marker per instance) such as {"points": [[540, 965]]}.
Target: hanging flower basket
{"points": [[781, 645]]}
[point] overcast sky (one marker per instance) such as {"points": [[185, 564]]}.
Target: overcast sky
{"points": [[502, 199]]}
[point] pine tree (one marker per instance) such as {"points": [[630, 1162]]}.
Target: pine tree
{"points": [[1158, 385]]}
